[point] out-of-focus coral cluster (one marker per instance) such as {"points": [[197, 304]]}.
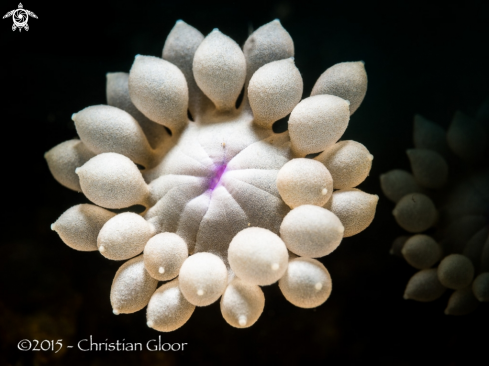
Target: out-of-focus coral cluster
{"points": [[447, 196], [229, 205]]}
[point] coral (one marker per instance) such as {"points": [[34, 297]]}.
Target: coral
{"points": [[448, 194], [214, 182]]}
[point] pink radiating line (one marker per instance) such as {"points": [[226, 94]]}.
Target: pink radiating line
{"points": [[217, 176]]}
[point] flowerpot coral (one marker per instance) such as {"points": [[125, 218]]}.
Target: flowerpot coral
{"points": [[226, 200], [447, 193]]}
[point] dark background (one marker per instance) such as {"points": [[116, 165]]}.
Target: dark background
{"points": [[420, 58]]}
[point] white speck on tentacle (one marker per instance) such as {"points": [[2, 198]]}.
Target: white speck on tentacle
{"points": [[161, 270], [242, 320], [150, 324], [275, 266], [318, 286], [324, 192], [101, 249], [200, 292]]}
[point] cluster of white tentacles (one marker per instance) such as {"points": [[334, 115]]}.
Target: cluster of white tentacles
{"points": [[229, 205], [448, 190]]}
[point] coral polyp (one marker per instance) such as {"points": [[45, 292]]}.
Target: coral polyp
{"points": [[447, 193], [216, 182]]}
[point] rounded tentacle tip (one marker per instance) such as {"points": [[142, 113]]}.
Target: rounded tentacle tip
{"points": [[150, 324], [406, 297], [53, 227], [77, 170], [73, 116], [215, 30], [242, 320], [371, 157], [179, 21], [277, 20], [101, 249], [116, 312]]}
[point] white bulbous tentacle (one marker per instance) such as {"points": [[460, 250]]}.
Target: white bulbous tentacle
{"points": [[118, 96], [462, 302], [424, 286], [132, 287], [348, 162], [415, 212], [421, 251], [480, 287], [347, 80], [79, 226], [219, 69], [109, 129], [318, 122], [306, 283], [203, 278], [112, 180], [63, 159], [304, 182], [159, 90], [271, 42], [311, 231], [456, 271], [124, 236], [242, 303], [258, 256], [429, 168], [179, 49], [274, 91], [354, 208], [164, 254], [168, 309], [398, 183]]}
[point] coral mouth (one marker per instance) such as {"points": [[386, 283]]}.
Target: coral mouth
{"points": [[216, 178]]}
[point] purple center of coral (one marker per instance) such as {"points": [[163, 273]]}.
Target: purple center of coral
{"points": [[216, 178]]}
